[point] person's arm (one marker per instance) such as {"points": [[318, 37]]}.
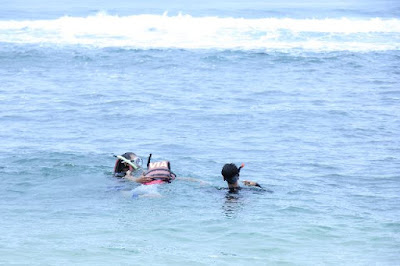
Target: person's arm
{"points": [[251, 183], [193, 180], [142, 179]]}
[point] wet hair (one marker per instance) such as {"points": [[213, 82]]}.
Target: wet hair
{"points": [[128, 155], [230, 172]]}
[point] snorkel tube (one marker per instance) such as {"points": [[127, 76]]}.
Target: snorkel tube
{"points": [[148, 160], [240, 167], [127, 161]]}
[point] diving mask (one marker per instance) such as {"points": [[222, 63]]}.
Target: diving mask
{"points": [[135, 163]]}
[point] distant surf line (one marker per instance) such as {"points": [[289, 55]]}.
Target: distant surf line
{"points": [[187, 32]]}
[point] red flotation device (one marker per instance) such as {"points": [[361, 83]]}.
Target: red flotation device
{"points": [[160, 172]]}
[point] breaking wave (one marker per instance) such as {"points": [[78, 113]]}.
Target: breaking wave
{"points": [[188, 32]]}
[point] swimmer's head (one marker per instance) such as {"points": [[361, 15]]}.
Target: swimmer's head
{"points": [[129, 155], [133, 158], [230, 172]]}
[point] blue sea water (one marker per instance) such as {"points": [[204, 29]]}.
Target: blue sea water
{"points": [[306, 94]]}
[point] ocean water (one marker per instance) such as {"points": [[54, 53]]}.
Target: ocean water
{"points": [[307, 95]]}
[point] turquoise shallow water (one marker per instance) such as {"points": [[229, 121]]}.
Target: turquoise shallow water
{"points": [[317, 122]]}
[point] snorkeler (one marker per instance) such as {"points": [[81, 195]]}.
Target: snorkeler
{"points": [[158, 172], [128, 165], [230, 173]]}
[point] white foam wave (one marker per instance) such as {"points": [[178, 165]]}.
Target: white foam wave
{"points": [[187, 32]]}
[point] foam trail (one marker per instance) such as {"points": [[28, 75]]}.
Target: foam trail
{"points": [[187, 32], [150, 191]]}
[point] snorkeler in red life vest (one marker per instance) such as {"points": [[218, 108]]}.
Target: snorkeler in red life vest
{"points": [[128, 165], [230, 173], [158, 172]]}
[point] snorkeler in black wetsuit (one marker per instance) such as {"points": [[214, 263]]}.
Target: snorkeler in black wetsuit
{"points": [[230, 173]]}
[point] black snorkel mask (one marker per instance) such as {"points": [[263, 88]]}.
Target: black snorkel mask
{"points": [[232, 180]]}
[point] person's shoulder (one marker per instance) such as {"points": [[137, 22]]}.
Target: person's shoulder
{"points": [[257, 189]]}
